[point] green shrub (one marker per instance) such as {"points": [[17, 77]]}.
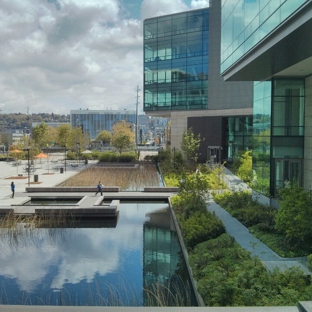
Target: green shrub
{"points": [[172, 179], [95, 154], [201, 226], [187, 204], [294, 216], [108, 157], [127, 157], [87, 156], [309, 262], [244, 208], [71, 155], [114, 157]]}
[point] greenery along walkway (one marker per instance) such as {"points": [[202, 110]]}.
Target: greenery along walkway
{"points": [[250, 243]]}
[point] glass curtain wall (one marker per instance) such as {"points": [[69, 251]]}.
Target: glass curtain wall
{"points": [[262, 136], [238, 136], [94, 123], [287, 133], [245, 23], [278, 129], [176, 61]]}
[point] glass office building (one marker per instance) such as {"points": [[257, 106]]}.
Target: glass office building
{"points": [[269, 42], [246, 23], [176, 61], [95, 121]]}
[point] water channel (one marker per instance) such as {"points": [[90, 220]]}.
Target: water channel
{"points": [[132, 261]]}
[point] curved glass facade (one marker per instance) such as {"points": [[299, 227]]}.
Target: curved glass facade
{"points": [[245, 23], [176, 61]]}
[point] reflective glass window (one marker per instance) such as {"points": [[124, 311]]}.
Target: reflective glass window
{"points": [[245, 23]]}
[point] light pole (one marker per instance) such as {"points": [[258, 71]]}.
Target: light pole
{"points": [[28, 166], [65, 157], [78, 150]]}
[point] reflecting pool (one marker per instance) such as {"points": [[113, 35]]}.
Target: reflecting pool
{"points": [[135, 263], [59, 201]]}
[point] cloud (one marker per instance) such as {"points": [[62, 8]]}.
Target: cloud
{"points": [[152, 8], [57, 54], [199, 4]]}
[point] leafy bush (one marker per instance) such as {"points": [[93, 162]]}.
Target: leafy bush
{"points": [[187, 204], [127, 157], [114, 157], [244, 208], [108, 157], [171, 162], [95, 154], [227, 276], [294, 217], [201, 226], [309, 262], [172, 179], [71, 155]]}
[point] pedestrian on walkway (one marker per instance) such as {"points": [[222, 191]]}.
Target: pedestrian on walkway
{"points": [[99, 188], [12, 189]]}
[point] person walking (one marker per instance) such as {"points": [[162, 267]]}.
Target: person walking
{"points": [[12, 189], [99, 188]]}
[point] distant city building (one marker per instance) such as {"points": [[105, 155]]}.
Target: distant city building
{"points": [[144, 120], [95, 121]]}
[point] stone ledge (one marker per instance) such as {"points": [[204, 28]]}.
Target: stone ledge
{"points": [[60, 189], [161, 189]]}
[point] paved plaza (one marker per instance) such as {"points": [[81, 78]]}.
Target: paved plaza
{"points": [[48, 173]]}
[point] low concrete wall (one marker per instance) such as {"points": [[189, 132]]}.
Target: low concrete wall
{"points": [[73, 189], [161, 189]]}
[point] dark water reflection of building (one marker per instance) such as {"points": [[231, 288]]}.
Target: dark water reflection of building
{"points": [[93, 263], [164, 269]]}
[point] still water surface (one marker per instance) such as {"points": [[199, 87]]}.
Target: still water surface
{"points": [[97, 263]]}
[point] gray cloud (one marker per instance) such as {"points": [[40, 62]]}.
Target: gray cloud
{"points": [[64, 54]]}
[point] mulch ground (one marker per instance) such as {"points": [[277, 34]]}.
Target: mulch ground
{"points": [[16, 178]]}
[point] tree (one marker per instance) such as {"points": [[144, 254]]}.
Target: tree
{"points": [[190, 144], [40, 134], [104, 136], [294, 217], [121, 142], [52, 135], [63, 135], [122, 137]]}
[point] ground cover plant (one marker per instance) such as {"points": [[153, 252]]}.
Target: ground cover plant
{"points": [[271, 225], [226, 275]]}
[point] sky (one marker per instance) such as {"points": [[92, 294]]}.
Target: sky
{"points": [[60, 55]]}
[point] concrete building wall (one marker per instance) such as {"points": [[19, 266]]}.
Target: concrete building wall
{"points": [[307, 182]]}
